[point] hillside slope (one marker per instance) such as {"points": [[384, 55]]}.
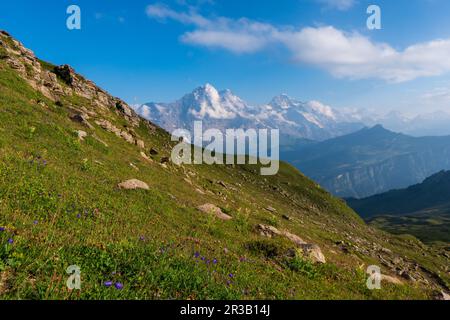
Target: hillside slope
{"points": [[66, 145], [371, 161], [422, 210]]}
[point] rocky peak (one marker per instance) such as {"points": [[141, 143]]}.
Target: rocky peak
{"points": [[57, 81]]}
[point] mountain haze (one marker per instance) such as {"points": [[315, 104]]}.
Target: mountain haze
{"points": [[370, 161]]}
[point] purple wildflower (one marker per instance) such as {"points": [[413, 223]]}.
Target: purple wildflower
{"points": [[107, 284], [35, 222], [142, 238], [196, 254], [78, 216], [231, 275], [2, 229], [215, 261], [202, 258], [10, 241], [118, 285]]}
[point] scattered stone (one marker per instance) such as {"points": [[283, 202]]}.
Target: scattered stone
{"points": [[81, 134], [153, 152], [165, 160], [143, 155], [268, 231], [294, 238], [270, 209], [390, 279], [140, 144], [134, 166], [286, 217], [200, 191], [212, 209], [127, 137], [133, 184], [442, 296], [221, 183]]}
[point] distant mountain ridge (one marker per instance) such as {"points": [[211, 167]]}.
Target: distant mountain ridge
{"points": [[222, 109], [422, 209], [370, 161], [432, 192]]}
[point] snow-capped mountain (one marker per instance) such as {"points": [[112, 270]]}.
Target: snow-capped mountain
{"points": [[222, 110]]}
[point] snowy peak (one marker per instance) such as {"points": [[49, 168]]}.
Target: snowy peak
{"points": [[207, 102], [283, 102], [223, 109]]}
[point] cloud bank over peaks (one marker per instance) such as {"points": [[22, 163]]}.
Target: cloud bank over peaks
{"points": [[343, 54]]}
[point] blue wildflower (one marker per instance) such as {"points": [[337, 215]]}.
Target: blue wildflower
{"points": [[2, 229], [118, 285], [196, 254], [215, 261], [10, 241], [107, 284]]}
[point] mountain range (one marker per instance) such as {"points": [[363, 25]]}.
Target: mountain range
{"points": [[422, 209], [222, 109], [296, 120], [86, 182], [370, 161]]}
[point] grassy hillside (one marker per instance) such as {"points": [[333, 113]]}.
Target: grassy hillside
{"points": [[60, 205]]}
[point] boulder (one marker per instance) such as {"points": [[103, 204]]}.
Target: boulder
{"points": [[212, 209], [268, 231], [313, 252], [133, 184], [82, 118], [308, 250]]}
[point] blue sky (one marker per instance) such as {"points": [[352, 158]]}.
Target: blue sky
{"points": [[320, 50]]}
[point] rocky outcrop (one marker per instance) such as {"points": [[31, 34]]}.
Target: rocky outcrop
{"points": [[55, 81], [126, 135]]}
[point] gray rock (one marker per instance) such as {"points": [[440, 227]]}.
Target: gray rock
{"points": [[133, 184], [212, 209]]}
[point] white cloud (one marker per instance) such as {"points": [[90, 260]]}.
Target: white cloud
{"points": [[338, 4], [343, 54]]}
